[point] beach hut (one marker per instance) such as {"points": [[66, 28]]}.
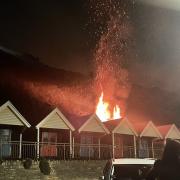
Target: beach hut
{"points": [[87, 138], [147, 133], [123, 137], [12, 126], [54, 136]]}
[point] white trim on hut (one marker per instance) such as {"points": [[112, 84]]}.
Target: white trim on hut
{"points": [[125, 127], [9, 115], [55, 120], [147, 130], [94, 124], [169, 131]]}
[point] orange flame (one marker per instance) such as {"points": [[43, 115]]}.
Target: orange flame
{"points": [[102, 110], [116, 112]]}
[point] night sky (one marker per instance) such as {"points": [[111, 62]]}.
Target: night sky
{"points": [[59, 33], [54, 31]]}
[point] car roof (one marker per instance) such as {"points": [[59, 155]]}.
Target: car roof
{"points": [[146, 161]]}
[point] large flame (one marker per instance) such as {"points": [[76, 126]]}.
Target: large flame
{"points": [[102, 109], [103, 112]]}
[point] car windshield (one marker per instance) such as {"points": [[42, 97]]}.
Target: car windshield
{"points": [[130, 172]]}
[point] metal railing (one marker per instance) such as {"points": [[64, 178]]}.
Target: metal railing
{"points": [[17, 150], [29, 150], [92, 151], [150, 152], [124, 151], [55, 150], [63, 151]]}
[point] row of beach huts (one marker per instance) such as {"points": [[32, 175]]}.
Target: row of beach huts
{"points": [[87, 137]]}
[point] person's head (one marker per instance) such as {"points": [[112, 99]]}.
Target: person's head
{"points": [[171, 152]]}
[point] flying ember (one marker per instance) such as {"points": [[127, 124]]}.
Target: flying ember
{"points": [[103, 112]]}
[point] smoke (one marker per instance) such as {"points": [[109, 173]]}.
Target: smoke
{"points": [[157, 31], [73, 99], [169, 4]]}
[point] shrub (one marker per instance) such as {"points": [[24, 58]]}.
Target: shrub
{"points": [[27, 163], [44, 167]]}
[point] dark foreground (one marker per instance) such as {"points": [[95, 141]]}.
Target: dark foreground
{"points": [[64, 170]]}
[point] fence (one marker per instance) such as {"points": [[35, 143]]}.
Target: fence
{"points": [[92, 151], [124, 151], [63, 151], [17, 150]]}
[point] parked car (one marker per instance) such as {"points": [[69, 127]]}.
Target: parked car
{"points": [[127, 169]]}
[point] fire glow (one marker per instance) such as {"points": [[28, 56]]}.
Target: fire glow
{"points": [[103, 112]]}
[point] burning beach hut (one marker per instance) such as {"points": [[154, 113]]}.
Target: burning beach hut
{"points": [[54, 136], [87, 137], [13, 124], [147, 133], [123, 138]]}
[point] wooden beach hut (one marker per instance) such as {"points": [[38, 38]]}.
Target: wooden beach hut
{"points": [[12, 126], [147, 133], [54, 136], [123, 138], [87, 138]]}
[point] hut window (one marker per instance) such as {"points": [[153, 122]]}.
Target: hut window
{"points": [[5, 135], [53, 137], [86, 139], [85, 149], [49, 137]]}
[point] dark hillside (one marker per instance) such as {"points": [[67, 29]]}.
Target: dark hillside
{"points": [[35, 89]]}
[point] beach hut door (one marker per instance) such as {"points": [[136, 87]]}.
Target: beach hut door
{"points": [[5, 147], [118, 147], [49, 148], [143, 148], [86, 149]]}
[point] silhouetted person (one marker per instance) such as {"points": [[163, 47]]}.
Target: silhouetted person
{"points": [[168, 168]]}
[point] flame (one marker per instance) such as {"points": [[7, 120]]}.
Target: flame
{"points": [[116, 112], [103, 112], [102, 109]]}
